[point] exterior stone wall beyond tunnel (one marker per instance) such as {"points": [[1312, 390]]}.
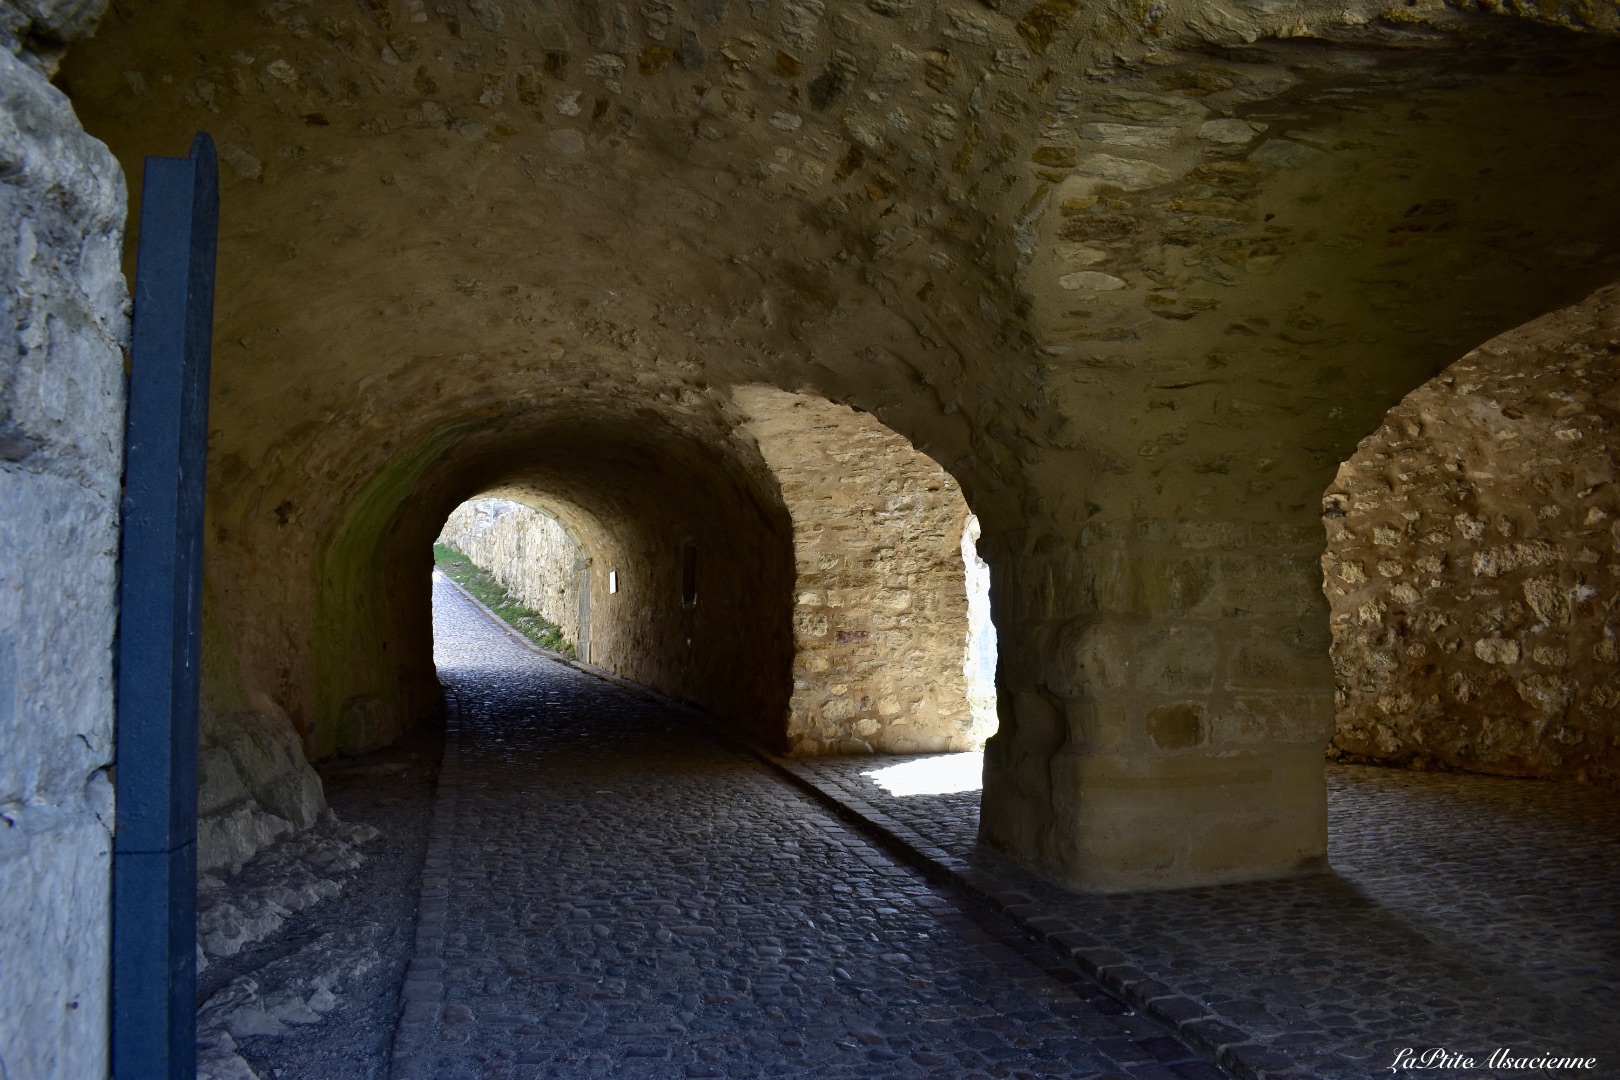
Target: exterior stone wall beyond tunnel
{"points": [[1471, 563], [529, 552]]}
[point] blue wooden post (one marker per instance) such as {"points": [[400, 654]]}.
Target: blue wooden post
{"points": [[154, 987]]}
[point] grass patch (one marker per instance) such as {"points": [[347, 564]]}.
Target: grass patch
{"points": [[482, 584]]}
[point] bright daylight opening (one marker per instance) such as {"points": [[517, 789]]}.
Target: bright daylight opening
{"points": [[954, 773], [937, 774], [524, 565]]}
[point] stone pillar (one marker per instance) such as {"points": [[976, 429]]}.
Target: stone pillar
{"points": [[63, 304], [1165, 696]]}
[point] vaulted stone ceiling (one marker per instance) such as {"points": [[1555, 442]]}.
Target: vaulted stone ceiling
{"points": [[1039, 241], [1139, 276]]}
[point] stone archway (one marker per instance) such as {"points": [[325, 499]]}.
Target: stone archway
{"points": [[1101, 285], [637, 490], [1471, 561], [1138, 282]]}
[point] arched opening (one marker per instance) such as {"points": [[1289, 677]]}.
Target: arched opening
{"points": [[633, 494], [1471, 543], [893, 649], [887, 657]]}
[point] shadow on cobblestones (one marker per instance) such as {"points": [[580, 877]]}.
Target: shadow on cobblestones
{"points": [[623, 896], [1468, 912]]}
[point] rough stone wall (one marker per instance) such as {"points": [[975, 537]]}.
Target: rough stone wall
{"points": [[63, 306], [528, 551], [880, 615], [254, 785], [1473, 562]]}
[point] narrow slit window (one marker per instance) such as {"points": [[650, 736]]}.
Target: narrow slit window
{"points": [[613, 581], [689, 574]]}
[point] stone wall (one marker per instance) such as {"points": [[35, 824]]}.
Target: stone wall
{"points": [[979, 662], [880, 615], [64, 309], [528, 551], [1472, 561]]}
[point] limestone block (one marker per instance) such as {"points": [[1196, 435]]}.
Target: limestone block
{"points": [[62, 302], [1176, 584], [1016, 814], [1038, 723], [1273, 584], [1155, 581], [1104, 723], [1179, 725], [1176, 659], [1135, 822], [1276, 661], [1249, 720], [1090, 656], [1220, 535]]}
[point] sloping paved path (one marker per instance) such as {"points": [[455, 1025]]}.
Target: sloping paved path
{"points": [[626, 897]]}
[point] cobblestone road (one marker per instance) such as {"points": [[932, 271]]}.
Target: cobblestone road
{"points": [[625, 897], [1468, 912]]}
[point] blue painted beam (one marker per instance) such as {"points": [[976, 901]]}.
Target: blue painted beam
{"points": [[154, 985]]}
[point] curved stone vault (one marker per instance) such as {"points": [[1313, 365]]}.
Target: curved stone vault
{"points": [[1137, 278]]}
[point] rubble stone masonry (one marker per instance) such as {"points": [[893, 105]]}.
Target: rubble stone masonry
{"points": [[880, 613], [1471, 561]]}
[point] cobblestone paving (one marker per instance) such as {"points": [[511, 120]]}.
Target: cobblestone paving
{"points": [[1468, 912], [624, 896]]}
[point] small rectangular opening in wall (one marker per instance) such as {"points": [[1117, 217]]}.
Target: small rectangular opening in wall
{"points": [[613, 581], [689, 574]]}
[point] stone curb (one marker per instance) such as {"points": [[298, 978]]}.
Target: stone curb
{"points": [[421, 996], [1227, 1047]]}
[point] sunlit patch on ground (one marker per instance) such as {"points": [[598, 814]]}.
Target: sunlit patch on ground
{"points": [[939, 774]]}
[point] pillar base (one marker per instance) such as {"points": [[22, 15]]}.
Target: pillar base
{"points": [[1128, 823]]}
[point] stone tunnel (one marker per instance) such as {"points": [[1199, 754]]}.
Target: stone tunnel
{"points": [[1268, 351]]}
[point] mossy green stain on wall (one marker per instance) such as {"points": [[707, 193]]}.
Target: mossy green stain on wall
{"points": [[369, 686]]}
